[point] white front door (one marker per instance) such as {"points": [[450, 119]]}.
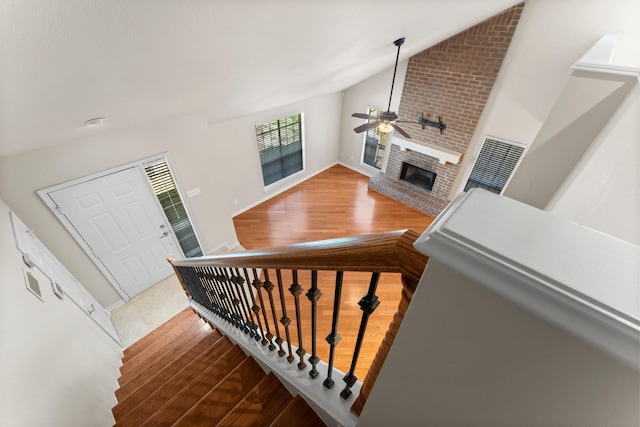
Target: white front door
{"points": [[121, 222]]}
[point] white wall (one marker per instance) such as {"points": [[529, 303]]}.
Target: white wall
{"points": [[58, 367], [221, 159], [587, 103], [466, 357], [236, 139], [603, 191]]}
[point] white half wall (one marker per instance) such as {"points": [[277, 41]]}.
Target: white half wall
{"points": [[59, 368], [466, 357]]}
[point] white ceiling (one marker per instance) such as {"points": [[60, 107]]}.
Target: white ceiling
{"points": [[65, 61]]}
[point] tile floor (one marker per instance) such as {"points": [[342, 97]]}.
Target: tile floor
{"points": [[145, 312]]}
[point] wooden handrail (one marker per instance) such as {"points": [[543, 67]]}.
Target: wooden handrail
{"points": [[390, 252]]}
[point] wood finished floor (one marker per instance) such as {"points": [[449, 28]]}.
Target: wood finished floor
{"points": [[334, 203]]}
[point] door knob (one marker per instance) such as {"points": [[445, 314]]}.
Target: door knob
{"points": [[165, 234]]}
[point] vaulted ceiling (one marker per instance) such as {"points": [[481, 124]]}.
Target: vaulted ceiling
{"points": [[65, 61]]}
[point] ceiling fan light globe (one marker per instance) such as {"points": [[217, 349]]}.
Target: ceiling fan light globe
{"points": [[385, 127]]}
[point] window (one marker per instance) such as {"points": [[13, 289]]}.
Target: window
{"points": [[280, 148], [374, 144], [165, 189], [494, 165]]}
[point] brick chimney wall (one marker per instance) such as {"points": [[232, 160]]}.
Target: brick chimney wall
{"points": [[454, 79]]}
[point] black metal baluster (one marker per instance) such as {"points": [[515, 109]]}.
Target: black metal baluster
{"points": [[313, 294], [223, 278], [268, 286], [225, 305], [190, 279], [209, 289], [248, 315], [296, 290], [334, 338], [257, 283], [235, 301], [207, 296], [255, 310], [285, 319], [367, 304]]}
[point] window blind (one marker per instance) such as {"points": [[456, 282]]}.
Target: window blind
{"points": [[494, 165], [280, 148], [165, 189]]}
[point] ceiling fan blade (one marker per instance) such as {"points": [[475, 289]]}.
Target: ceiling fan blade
{"points": [[403, 133], [365, 127], [364, 116]]}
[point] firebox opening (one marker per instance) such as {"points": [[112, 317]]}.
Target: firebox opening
{"points": [[417, 176]]}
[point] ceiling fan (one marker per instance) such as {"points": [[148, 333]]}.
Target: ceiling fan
{"points": [[385, 121]]}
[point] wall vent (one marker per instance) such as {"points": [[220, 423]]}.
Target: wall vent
{"points": [[33, 285], [57, 289]]}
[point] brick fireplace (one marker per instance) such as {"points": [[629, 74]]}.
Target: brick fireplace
{"points": [[389, 183], [453, 79]]}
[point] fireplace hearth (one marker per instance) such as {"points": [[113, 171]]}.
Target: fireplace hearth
{"points": [[417, 176]]}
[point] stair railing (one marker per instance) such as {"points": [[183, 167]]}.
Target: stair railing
{"points": [[237, 287]]}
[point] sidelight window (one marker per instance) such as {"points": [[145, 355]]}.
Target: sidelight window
{"points": [[165, 189]]}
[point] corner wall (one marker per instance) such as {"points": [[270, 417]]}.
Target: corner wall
{"points": [[603, 190], [58, 367]]}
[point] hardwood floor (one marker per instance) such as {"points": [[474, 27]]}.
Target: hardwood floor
{"points": [[334, 203]]}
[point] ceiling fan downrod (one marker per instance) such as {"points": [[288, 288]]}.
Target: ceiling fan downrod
{"points": [[398, 43]]}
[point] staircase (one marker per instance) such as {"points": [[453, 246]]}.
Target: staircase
{"points": [[185, 373]]}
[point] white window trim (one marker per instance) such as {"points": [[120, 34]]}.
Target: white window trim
{"points": [[504, 141], [294, 176]]}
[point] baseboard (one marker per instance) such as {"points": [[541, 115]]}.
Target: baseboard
{"points": [[361, 172], [224, 245], [283, 189], [114, 306]]}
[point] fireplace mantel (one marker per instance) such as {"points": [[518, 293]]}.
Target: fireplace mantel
{"points": [[443, 155]]}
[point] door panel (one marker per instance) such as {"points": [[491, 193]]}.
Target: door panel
{"points": [[119, 219]]}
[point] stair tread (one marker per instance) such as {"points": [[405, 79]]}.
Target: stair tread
{"points": [[132, 364], [160, 332], [215, 405], [297, 413], [207, 350], [171, 407], [162, 356], [261, 406]]}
